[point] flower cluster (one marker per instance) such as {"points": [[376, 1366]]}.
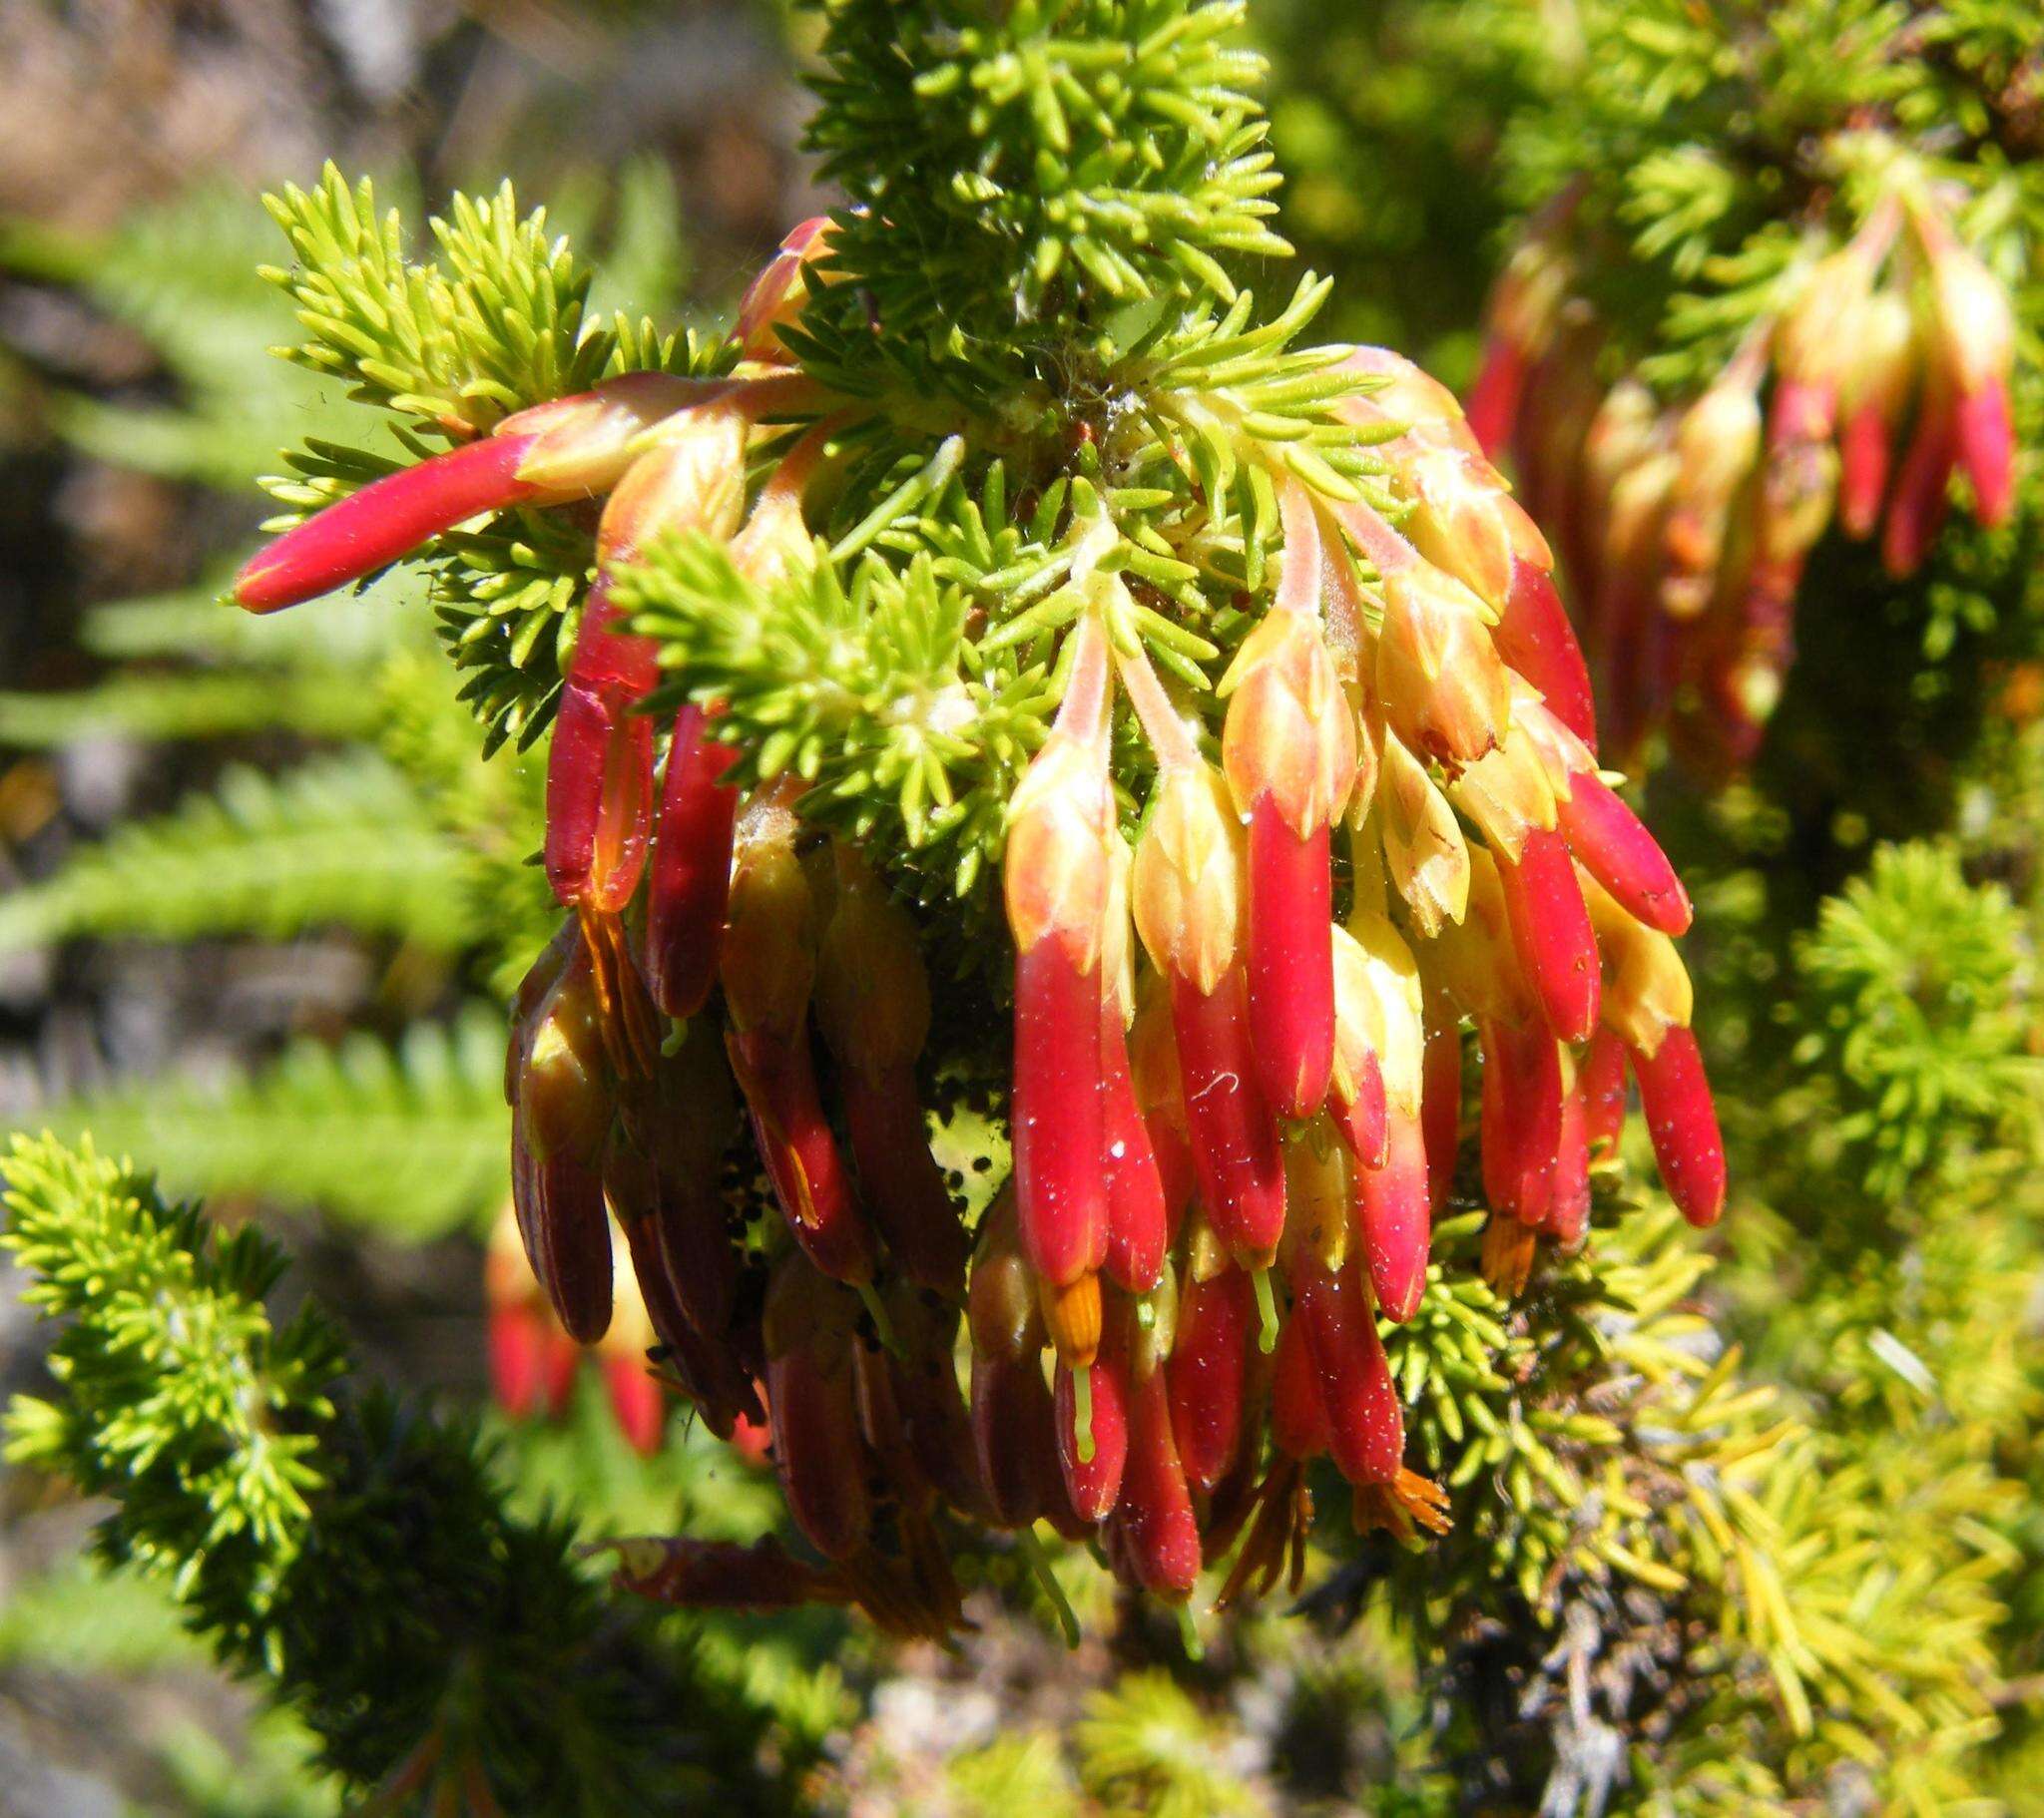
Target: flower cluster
{"points": [[1236, 1098], [1878, 372]]}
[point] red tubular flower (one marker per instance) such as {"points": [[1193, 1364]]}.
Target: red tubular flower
{"points": [[1613, 845], [1568, 1207], [1298, 1411], [1365, 1427], [692, 856], [926, 1388], [775, 298], [1154, 1518], [567, 1235], [1985, 436], [1137, 1217], [767, 969], [872, 1002], [812, 1403], [1057, 884], [1290, 968], [385, 521], [707, 1371], [1922, 494], [1059, 1126], [1288, 748], [1500, 383], [1234, 1136], [664, 1166], [1551, 933], [1534, 636], [1974, 332], [1092, 1454], [1522, 1117], [1683, 1122], [1440, 1116], [721, 1574], [1602, 1079], [1393, 1219], [1207, 1374], [1153, 1073], [1881, 367]]}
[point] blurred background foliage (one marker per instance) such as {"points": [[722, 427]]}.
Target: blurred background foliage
{"points": [[261, 902]]}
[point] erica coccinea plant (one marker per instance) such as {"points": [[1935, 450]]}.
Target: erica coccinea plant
{"points": [[1012, 696]]}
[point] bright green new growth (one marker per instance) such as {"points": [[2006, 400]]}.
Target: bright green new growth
{"points": [[1019, 173]]}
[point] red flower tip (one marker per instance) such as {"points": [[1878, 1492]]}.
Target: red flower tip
{"points": [[1093, 1439], [1058, 1114], [1207, 1373], [386, 520], [1683, 1122], [1365, 1426], [1394, 1216], [1233, 1137], [692, 858], [1613, 846], [1535, 637], [1493, 406], [1551, 933], [1523, 1116]]}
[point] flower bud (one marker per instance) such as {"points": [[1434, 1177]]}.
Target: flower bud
{"points": [[1402, 395], [1317, 1194], [1208, 1373], [1190, 862], [1974, 330], [1716, 444], [1446, 693], [1234, 1134], [1880, 363], [1522, 1117], [775, 298], [1093, 1451], [1647, 992], [1424, 851], [812, 1402], [1157, 1527], [1290, 733], [1365, 1426], [1611, 842], [692, 860], [1551, 933], [1467, 525], [1683, 1124]]}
